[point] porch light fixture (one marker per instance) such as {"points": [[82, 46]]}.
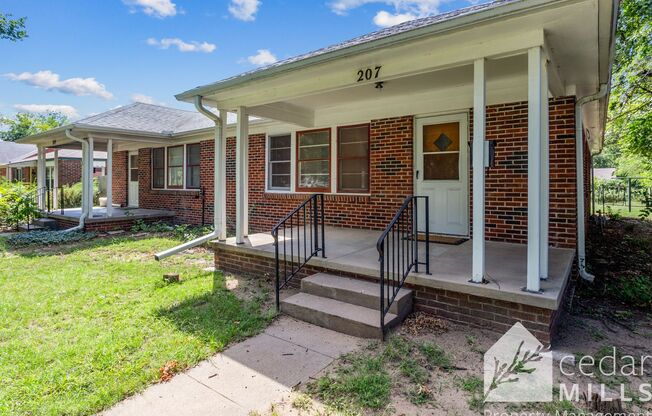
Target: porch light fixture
{"points": [[379, 85]]}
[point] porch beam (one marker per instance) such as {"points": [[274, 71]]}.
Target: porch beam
{"points": [[545, 172], [285, 112], [241, 164], [109, 178], [554, 81], [534, 170], [55, 180], [40, 176], [479, 117], [220, 178]]}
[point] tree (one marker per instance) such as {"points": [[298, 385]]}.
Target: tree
{"points": [[12, 29], [26, 124], [628, 140]]}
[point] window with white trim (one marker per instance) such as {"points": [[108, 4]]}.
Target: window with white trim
{"points": [[158, 168], [279, 161], [314, 160], [193, 159], [353, 158], [176, 167]]}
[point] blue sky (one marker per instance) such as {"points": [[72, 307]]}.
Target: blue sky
{"points": [[94, 55]]}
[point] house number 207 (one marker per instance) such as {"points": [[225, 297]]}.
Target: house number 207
{"points": [[369, 73]]}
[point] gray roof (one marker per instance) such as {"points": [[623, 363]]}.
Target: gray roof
{"points": [[148, 118], [11, 150], [63, 154], [370, 37]]}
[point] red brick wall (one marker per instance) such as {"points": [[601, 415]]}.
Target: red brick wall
{"points": [[120, 175], [187, 204], [506, 182], [3, 173], [391, 181], [69, 171]]}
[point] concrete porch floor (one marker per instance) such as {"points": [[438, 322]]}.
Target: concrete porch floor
{"points": [[354, 251], [99, 214]]}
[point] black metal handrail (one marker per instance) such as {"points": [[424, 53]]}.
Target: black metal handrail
{"points": [[55, 193], [398, 251], [305, 228]]}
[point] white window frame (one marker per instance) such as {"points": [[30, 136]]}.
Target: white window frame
{"points": [[165, 163], [268, 170]]}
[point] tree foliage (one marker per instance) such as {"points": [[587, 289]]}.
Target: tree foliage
{"points": [[628, 141], [26, 124], [12, 29]]}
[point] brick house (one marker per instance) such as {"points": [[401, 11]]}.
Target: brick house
{"points": [[491, 112]]}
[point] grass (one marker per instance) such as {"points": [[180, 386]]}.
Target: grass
{"points": [[83, 326]]}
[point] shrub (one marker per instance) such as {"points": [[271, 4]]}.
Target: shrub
{"points": [[17, 203], [180, 231], [47, 238], [72, 194]]}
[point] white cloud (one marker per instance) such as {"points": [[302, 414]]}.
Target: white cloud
{"points": [[146, 99], [48, 80], [156, 8], [386, 19], [244, 9], [67, 110], [263, 57], [404, 10], [181, 45]]}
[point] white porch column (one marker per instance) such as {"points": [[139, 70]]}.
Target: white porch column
{"points": [[109, 178], [534, 171], [220, 178], [40, 177], [241, 188], [89, 176], [55, 181], [545, 173], [479, 116]]}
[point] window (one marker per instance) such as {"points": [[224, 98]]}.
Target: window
{"points": [[158, 167], [313, 170], [133, 168], [353, 158], [441, 151], [175, 167], [192, 165], [278, 170]]}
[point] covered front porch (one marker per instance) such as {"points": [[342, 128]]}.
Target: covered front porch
{"points": [[353, 252]]}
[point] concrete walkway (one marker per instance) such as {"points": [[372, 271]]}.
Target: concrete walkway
{"points": [[249, 376]]}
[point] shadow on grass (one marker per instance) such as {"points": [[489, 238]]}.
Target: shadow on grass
{"points": [[218, 317]]}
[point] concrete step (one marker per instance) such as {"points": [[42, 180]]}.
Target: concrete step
{"points": [[356, 292], [48, 223], [25, 227], [336, 315]]}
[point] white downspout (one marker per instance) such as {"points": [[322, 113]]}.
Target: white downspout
{"points": [[215, 234], [84, 214], [579, 166]]}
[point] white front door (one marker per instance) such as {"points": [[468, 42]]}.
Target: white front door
{"points": [[441, 172], [133, 179]]}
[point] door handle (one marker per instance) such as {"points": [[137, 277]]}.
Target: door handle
{"points": [[417, 174]]}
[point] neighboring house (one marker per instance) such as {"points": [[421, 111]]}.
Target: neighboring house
{"points": [[24, 167], [492, 112], [10, 151], [604, 173]]}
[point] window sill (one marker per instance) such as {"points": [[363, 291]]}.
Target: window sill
{"points": [[328, 196]]}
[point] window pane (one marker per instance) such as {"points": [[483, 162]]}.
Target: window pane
{"points": [[193, 177], [159, 178], [314, 152], [280, 168], [193, 151], [314, 181], [280, 181], [175, 156], [175, 176], [441, 166], [348, 166], [441, 137], [314, 167], [133, 175], [354, 141], [314, 137], [158, 158], [276, 142], [354, 182], [133, 160], [279, 154]]}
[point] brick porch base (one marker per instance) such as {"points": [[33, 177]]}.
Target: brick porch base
{"points": [[483, 312]]}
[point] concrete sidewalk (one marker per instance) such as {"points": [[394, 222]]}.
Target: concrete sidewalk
{"points": [[249, 376]]}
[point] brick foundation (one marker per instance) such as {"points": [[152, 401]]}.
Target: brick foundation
{"points": [[482, 312], [124, 224]]}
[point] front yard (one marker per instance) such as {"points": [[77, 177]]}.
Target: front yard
{"points": [[83, 326]]}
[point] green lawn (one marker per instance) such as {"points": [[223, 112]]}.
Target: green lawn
{"points": [[85, 326]]}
